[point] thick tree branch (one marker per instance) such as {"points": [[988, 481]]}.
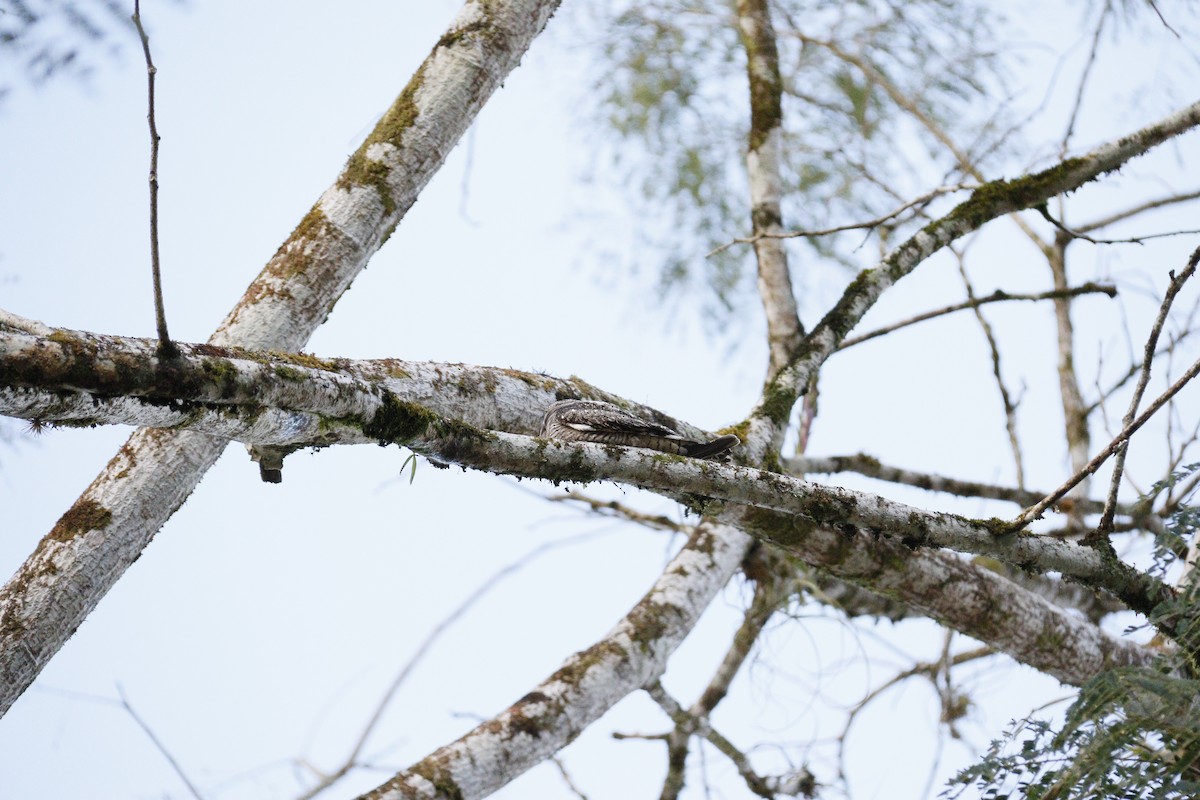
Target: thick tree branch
{"points": [[765, 171], [633, 655], [151, 476], [266, 403], [992, 200]]}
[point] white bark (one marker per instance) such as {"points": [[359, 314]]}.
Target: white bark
{"points": [[112, 522], [633, 655], [869, 540], [987, 203]]}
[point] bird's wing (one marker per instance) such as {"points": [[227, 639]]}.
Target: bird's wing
{"points": [[612, 420]]}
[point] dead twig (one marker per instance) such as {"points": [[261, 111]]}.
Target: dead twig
{"points": [[166, 349], [1177, 282], [997, 296], [1035, 511], [162, 748], [921, 200]]}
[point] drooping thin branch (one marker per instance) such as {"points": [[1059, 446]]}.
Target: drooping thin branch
{"points": [[1075, 234], [352, 758], [920, 200], [998, 296], [158, 744], [618, 510], [1140, 208], [1035, 511], [1010, 406], [165, 347], [1177, 282]]}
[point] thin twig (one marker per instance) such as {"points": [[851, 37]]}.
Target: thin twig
{"points": [[1110, 505], [158, 744], [166, 349], [1035, 511], [422, 650], [1010, 406], [1074, 234], [615, 509], [995, 297], [1083, 81], [1163, 19], [689, 723], [1133, 211], [852, 226]]}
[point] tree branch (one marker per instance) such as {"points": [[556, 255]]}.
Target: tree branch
{"points": [[997, 296], [234, 400], [990, 201], [764, 169], [151, 476], [546, 719], [166, 349]]}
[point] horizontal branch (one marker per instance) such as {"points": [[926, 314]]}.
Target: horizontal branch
{"points": [[997, 296], [863, 464], [266, 400]]}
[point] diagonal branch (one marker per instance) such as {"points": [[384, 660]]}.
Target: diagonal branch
{"points": [[151, 476], [1035, 511], [1177, 281], [550, 716], [992, 200]]}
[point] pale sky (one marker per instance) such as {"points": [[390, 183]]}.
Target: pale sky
{"points": [[264, 621]]}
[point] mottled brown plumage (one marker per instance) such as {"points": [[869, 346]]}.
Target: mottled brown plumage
{"points": [[604, 423]]}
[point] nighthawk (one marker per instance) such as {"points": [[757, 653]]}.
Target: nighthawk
{"points": [[604, 423]]}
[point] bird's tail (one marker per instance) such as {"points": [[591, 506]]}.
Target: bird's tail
{"points": [[716, 447]]}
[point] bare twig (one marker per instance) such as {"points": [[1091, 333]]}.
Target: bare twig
{"points": [[852, 226], [158, 744], [165, 347], [614, 509], [1010, 407], [1177, 282], [566, 776], [352, 759], [1075, 234], [1035, 511], [997, 296], [1083, 80], [1133, 211], [930, 670], [1163, 19], [689, 723]]}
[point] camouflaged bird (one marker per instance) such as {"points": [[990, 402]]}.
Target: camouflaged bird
{"points": [[604, 423]]}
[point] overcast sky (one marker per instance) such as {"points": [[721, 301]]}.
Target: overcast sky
{"points": [[264, 621]]}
